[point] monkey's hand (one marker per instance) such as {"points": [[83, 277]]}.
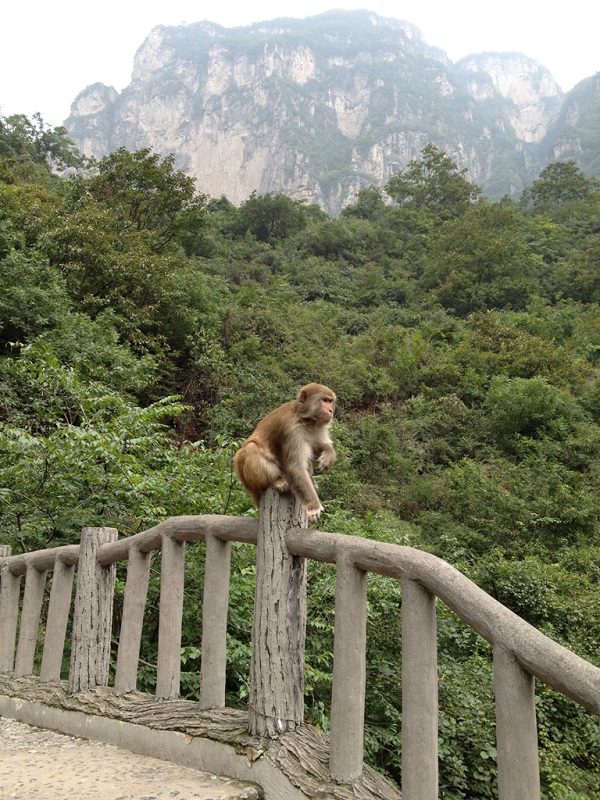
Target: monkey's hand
{"points": [[324, 462], [314, 512]]}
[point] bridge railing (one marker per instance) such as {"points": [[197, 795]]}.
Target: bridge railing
{"points": [[521, 653]]}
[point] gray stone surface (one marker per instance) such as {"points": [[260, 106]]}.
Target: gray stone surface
{"points": [[38, 764]]}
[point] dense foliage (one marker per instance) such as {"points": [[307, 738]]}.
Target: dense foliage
{"points": [[144, 328]]}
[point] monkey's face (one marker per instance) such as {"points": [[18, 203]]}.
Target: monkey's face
{"points": [[326, 408], [316, 402]]}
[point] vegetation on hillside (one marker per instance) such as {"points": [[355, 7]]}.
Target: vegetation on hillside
{"points": [[144, 328]]}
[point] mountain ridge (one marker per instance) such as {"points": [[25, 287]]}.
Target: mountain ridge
{"points": [[321, 107]]}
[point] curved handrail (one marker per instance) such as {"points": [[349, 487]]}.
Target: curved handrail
{"points": [[41, 559], [184, 528], [539, 655], [536, 653]]}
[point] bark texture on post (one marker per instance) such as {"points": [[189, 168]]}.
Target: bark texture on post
{"points": [[10, 591], [279, 628], [92, 618]]}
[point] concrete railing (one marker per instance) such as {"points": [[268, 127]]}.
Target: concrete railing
{"points": [[521, 653]]}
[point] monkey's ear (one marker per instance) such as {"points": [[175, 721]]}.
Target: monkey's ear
{"points": [[302, 395]]}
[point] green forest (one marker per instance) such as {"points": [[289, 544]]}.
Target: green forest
{"points": [[145, 328]]}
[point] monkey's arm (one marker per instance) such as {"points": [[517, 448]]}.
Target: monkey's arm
{"points": [[325, 458], [297, 461]]}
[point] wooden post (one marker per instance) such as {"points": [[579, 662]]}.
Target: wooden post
{"points": [[92, 619], [279, 627], [516, 729], [58, 618], [172, 574], [10, 588], [33, 596], [349, 672], [214, 622], [419, 694], [132, 623]]}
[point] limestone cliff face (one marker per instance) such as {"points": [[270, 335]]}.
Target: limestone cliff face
{"points": [[318, 108], [531, 95], [575, 134]]}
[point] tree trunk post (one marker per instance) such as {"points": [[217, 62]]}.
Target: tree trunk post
{"points": [[279, 627], [92, 618], [10, 592]]}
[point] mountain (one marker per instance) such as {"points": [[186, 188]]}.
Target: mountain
{"points": [[575, 134], [319, 108]]}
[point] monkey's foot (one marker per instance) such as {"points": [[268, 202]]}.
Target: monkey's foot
{"points": [[282, 485]]}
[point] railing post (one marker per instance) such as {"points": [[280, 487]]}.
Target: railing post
{"points": [[10, 586], [419, 694], [279, 627], [215, 606], [516, 729], [33, 596], [132, 622], [92, 618], [58, 618], [349, 672], [172, 573]]}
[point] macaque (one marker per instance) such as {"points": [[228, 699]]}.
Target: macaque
{"points": [[288, 446]]}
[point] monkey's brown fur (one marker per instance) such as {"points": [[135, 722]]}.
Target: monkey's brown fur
{"points": [[288, 445]]}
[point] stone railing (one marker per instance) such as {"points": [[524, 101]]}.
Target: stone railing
{"points": [[521, 653]]}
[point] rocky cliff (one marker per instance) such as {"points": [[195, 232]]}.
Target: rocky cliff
{"points": [[575, 134], [319, 108]]}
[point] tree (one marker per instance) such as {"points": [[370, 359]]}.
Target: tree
{"points": [[578, 274], [83, 454], [559, 183], [523, 406], [117, 237], [433, 183], [30, 149], [271, 216], [481, 260], [369, 204], [148, 194], [33, 297]]}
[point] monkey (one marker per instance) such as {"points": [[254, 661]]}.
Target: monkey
{"points": [[288, 445]]}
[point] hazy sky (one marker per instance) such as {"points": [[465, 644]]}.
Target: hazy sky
{"points": [[50, 51]]}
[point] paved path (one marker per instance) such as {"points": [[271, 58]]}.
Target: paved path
{"points": [[37, 764]]}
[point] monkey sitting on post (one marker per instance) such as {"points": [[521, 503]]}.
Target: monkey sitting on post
{"points": [[287, 445]]}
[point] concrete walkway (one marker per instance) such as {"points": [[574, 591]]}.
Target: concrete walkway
{"points": [[38, 764]]}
